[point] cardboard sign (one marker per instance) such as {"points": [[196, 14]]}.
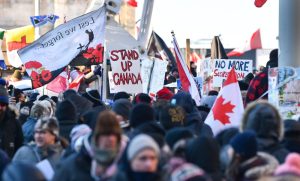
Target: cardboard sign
{"points": [[223, 66], [126, 71]]}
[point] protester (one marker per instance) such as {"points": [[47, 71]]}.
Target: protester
{"points": [[67, 117], [291, 138], [48, 144], [122, 108], [99, 154], [37, 111], [142, 98], [11, 135], [265, 121], [121, 95], [140, 114], [143, 156], [172, 116], [245, 163]]}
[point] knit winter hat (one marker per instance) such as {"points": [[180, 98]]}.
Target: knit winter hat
{"points": [[172, 116], [66, 111], [139, 143], [142, 98], [121, 95], [290, 166], [3, 93], [245, 144], [165, 94], [122, 107], [177, 134], [141, 113], [107, 124], [79, 131], [48, 124]]}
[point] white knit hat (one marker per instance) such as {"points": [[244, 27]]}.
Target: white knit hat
{"points": [[139, 143]]}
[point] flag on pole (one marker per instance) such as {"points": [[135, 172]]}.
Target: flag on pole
{"points": [[157, 48], [187, 80], [16, 39], [228, 108], [80, 40], [253, 43], [217, 49]]}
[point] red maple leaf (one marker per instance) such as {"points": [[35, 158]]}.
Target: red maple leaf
{"points": [[220, 110]]}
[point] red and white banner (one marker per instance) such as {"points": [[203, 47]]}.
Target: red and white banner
{"points": [[253, 43], [186, 78], [228, 108], [79, 40], [126, 70]]}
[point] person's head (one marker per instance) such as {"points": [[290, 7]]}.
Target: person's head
{"points": [[66, 110], [3, 98], [172, 116], [46, 131], [175, 73], [16, 76], [106, 139], [140, 114], [143, 154], [107, 133], [273, 62], [122, 108], [184, 100], [264, 119], [39, 110], [142, 98], [164, 94], [19, 171], [121, 95]]}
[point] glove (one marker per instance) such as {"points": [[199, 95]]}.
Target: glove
{"points": [[98, 70]]}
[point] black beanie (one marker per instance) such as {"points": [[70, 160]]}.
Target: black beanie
{"points": [[66, 111], [121, 95], [141, 113], [176, 134], [122, 107]]}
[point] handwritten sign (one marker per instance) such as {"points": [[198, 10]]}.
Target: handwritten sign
{"points": [[223, 66], [126, 73]]}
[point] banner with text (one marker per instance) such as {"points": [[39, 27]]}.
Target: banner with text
{"points": [[223, 66], [126, 70]]}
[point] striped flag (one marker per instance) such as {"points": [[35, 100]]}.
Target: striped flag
{"points": [[187, 81], [253, 43]]}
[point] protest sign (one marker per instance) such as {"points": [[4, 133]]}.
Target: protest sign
{"points": [[284, 90], [223, 66], [126, 73]]}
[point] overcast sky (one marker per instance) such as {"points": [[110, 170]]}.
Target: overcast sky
{"points": [[199, 20]]}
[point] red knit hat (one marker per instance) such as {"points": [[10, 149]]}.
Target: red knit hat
{"points": [[165, 94]]}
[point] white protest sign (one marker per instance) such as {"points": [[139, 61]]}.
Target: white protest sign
{"points": [[223, 66], [153, 71], [126, 70], [111, 83]]}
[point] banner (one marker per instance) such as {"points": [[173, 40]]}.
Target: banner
{"points": [[223, 66], [79, 40], [126, 71], [153, 75], [16, 39]]}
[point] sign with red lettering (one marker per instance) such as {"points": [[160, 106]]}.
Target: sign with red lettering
{"points": [[126, 71], [223, 66]]}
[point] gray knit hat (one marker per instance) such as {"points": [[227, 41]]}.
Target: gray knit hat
{"points": [[139, 143]]}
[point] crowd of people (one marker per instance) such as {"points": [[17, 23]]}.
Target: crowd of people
{"points": [[137, 138]]}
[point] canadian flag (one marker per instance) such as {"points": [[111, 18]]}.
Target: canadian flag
{"points": [[187, 80], [253, 43], [228, 108]]}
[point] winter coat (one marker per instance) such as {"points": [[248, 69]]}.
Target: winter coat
{"points": [[259, 166], [33, 154], [265, 121], [196, 124], [11, 136], [28, 129], [65, 128]]}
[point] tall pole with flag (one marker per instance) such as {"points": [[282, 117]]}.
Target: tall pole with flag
{"points": [[187, 81], [228, 108]]}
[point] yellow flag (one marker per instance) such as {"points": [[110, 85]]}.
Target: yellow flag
{"points": [[16, 39]]}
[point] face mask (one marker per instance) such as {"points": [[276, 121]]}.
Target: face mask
{"points": [[104, 157]]}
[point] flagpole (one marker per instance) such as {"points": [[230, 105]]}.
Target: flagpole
{"points": [[36, 13]]}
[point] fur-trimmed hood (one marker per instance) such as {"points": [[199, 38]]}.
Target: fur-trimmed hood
{"points": [[264, 119], [267, 166]]}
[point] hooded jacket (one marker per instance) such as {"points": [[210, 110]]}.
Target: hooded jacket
{"points": [[264, 119]]}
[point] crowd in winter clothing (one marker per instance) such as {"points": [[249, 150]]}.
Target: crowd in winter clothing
{"points": [[138, 138]]}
